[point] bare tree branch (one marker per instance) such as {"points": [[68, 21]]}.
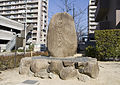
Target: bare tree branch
{"points": [[78, 16]]}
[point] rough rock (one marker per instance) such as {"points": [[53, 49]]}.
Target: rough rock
{"points": [[68, 72], [62, 39], [68, 63], [55, 67], [24, 67], [64, 68], [82, 77], [90, 68], [42, 74], [52, 76], [38, 64], [80, 65]]}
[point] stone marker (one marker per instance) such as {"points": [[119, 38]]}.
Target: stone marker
{"points": [[62, 39], [29, 82], [62, 42]]}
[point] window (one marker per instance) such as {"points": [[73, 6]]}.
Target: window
{"points": [[44, 40], [34, 38], [44, 30], [45, 21], [45, 16]]}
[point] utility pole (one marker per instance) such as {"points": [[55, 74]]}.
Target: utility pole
{"points": [[25, 27]]}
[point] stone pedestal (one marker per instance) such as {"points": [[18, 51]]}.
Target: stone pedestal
{"points": [[65, 68]]}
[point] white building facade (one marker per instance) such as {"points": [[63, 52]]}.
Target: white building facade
{"points": [[9, 29], [91, 19], [36, 14]]}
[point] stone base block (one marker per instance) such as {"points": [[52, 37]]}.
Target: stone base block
{"points": [[65, 68]]}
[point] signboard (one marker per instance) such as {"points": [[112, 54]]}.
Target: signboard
{"points": [[19, 42]]}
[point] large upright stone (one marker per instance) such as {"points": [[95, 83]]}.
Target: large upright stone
{"points": [[62, 39]]}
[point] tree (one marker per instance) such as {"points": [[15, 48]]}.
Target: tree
{"points": [[77, 13]]}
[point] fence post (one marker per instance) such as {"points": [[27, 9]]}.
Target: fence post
{"points": [[15, 56]]}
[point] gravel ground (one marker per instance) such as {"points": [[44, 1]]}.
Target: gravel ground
{"points": [[109, 75]]}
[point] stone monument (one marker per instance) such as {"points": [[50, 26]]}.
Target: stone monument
{"points": [[62, 38], [62, 45]]}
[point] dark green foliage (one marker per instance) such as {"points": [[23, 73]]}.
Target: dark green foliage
{"points": [[107, 43], [90, 51]]}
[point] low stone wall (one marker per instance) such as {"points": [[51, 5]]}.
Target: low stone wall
{"points": [[81, 68]]}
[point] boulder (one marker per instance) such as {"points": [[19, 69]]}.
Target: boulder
{"points": [[82, 77], [90, 68], [65, 68], [38, 64], [68, 72], [42, 74], [52, 76], [24, 67], [61, 38], [55, 67]]}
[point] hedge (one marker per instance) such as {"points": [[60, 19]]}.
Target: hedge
{"points": [[8, 62], [90, 51], [107, 43]]}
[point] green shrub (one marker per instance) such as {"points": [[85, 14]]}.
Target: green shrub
{"points": [[90, 51], [20, 50], [31, 47], [108, 43]]}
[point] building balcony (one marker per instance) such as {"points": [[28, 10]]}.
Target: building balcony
{"points": [[92, 15], [34, 31], [92, 11], [34, 36], [31, 2], [91, 19], [92, 4], [12, 8], [102, 9], [17, 3], [18, 12], [92, 27], [6, 35], [92, 7], [103, 25], [12, 3], [93, 23]]}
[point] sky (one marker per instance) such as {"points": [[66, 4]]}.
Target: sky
{"points": [[56, 5]]}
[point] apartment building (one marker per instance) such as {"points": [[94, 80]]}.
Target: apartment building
{"points": [[29, 12], [9, 29], [92, 24], [107, 14]]}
